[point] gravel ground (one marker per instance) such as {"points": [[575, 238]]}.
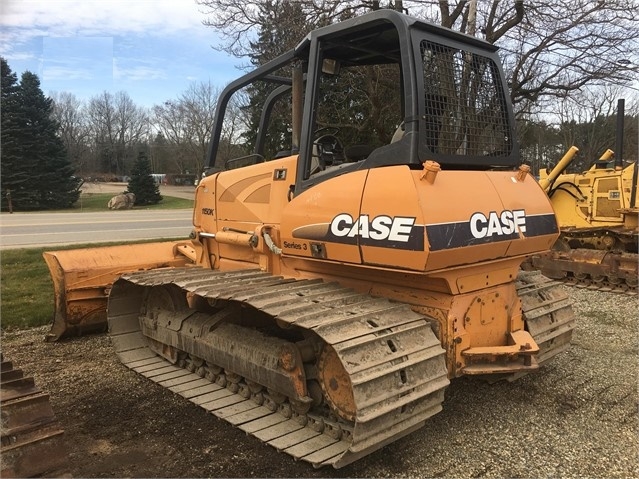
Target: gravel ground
{"points": [[577, 417]]}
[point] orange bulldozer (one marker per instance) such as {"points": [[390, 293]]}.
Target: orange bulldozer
{"points": [[365, 253]]}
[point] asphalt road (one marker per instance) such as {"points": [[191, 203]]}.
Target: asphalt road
{"points": [[28, 230]]}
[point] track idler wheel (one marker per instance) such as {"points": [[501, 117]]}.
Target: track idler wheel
{"points": [[336, 384]]}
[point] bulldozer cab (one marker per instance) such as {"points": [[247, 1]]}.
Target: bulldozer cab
{"points": [[386, 91]]}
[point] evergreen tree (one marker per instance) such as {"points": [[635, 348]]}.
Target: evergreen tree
{"points": [[56, 186], [35, 166], [271, 42], [146, 191], [13, 175]]}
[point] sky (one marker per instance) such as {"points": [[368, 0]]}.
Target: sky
{"points": [[152, 49]]}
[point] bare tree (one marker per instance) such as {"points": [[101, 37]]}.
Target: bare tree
{"points": [[171, 122], [187, 124], [549, 48], [588, 121], [70, 113], [132, 122], [101, 122], [117, 126], [198, 103], [561, 47]]}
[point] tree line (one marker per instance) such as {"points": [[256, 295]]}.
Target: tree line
{"points": [[104, 135], [35, 170], [51, 144], [551, 51]]}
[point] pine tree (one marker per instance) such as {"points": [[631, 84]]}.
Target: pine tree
{"points": [[14, 176], [56, 186], [146, 191], [272, 41], [35, 165]]}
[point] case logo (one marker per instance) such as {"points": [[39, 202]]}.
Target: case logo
{"points": [[383, 231], [491, 228], [380, 228], [506, 223]]}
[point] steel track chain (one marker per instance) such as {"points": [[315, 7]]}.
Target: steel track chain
{"points": [[32, 438], [394, 396], [547, 312]]}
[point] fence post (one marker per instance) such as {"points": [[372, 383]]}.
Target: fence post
{"points": [[9, 201]]}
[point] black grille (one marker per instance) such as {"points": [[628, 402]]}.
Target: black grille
{"points": [[464, 104]]}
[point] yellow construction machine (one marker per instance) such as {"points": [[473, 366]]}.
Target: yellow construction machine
{"points": [[597, 215], [336, 284]]}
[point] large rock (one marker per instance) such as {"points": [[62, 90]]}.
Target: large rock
{"points": [[123, 201]]}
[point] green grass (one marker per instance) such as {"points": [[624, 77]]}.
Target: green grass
{"points": [[99, 201], [26, 288]]}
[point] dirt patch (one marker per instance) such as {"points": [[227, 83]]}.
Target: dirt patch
{"points": [[575, 417]]}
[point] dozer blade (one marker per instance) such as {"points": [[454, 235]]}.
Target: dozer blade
{"points": [[82, 279]]}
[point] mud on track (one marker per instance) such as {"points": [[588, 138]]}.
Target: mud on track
{"points": [[576, 417]]}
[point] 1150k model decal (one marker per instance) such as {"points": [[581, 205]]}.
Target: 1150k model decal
{"points": [[383, 231], [494, 227]]}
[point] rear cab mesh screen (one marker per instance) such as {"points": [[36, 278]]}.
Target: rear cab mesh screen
{"points": [[465, 112]]}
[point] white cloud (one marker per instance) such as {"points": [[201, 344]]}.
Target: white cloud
{"points": [[100, 17], [19, 56], [137, 73], [54, 73]]}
